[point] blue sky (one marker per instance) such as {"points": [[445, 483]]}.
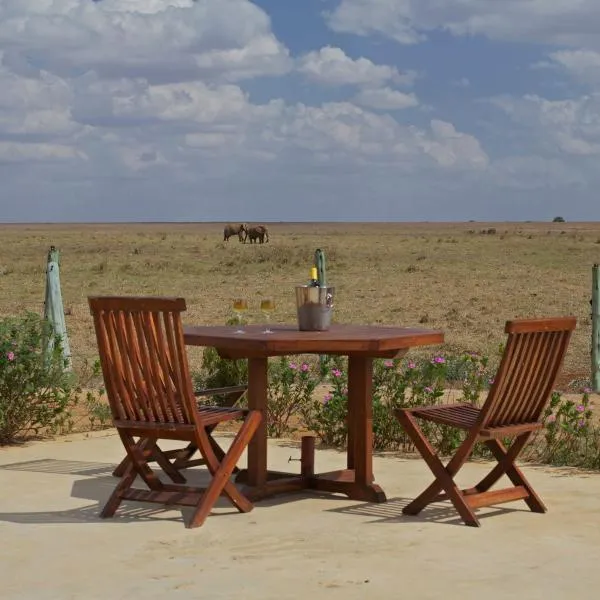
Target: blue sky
{"points": [[275, 110]]}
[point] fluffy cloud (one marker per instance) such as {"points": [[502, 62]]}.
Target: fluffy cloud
{"points": [[333, 66], [385, 99], [161, 40], [561, 22], [563, 127], [142, 109], [582, 64]]}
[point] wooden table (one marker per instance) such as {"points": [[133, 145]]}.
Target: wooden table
{"points": [[361, 343]]}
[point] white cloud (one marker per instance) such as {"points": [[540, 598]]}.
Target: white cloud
{"points": [[332, 66], [173, 40], [385, 99], [569, 127], [582, 64], [392, 18], [24, 152], [449, 147], [561, 22], [141, 109]]}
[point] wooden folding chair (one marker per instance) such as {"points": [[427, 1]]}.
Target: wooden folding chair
{"points": [[148, 384], [532, 357], [183, 456]]}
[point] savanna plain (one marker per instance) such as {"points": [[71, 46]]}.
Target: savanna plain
{"points": [[464, 278]]}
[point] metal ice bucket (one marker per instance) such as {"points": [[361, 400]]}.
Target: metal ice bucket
{"points": [[315, 307]]}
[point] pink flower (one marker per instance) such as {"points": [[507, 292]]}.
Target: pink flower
{"points": [[327, 397], [580, 408], [304, 367], [10, 356], [551, 419], [293, 366], [581, 423], [411, 364], [345, 391], [388, 364], [336, 373], [439, 360], [428, 390]]}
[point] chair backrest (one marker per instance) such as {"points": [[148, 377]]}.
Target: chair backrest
{"points": [[532, 357], [143, 358]]}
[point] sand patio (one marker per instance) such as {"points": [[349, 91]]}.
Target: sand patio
{"points": [[301, 545]]}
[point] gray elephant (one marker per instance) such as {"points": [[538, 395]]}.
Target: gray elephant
{"points": [[238, 229], [259, 232]]}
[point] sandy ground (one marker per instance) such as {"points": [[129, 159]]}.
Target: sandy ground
{"points": [[53, 545]]}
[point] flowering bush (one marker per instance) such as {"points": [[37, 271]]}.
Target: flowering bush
{"points": [[219, 372], [291, 386], [327, 417], [567, 428], [35, 390], [394, 386]]}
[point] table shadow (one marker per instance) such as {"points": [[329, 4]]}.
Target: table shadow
{"points": [[438, 512]]}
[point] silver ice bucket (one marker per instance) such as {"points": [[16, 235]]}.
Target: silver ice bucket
{"points": [[315, 307]]}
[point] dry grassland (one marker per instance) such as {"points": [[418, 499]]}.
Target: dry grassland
{"points": [[447, 276]]}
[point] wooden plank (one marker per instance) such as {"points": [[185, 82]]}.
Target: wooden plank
{"points": [[287, 339], [496, 497]]}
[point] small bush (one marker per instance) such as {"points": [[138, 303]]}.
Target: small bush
{"points": [[568, 431], [291, 387], [219, 372], [558, 220], [36, 393]]}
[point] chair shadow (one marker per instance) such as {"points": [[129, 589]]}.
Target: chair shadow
{"points": [[97, 486], [391, 512]]}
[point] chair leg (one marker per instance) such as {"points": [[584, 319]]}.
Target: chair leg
{"points": [[185, 455], [221, 471], [127, 478], [506, 460], [137, 465], [166, 465], [157, 454], [443, 474]]}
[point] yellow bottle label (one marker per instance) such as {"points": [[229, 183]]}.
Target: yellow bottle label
{"points": [[313, 273]]}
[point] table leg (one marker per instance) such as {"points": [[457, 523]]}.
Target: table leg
{"points": [[356, 481], [257, 400], [360, 406]]}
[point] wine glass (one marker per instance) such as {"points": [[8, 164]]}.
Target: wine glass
{"points": [[240, 307], [267, 306]]}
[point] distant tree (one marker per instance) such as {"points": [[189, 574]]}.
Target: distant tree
{"points": [[558, 220]]}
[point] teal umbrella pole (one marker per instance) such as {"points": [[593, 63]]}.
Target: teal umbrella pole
{"points": [[53, 307], [596, 328]]}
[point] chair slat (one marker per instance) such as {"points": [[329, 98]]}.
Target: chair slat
{"points": [[527, 373]]}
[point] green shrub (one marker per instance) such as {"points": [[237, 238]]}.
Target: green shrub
{"points": [[36, 393], [327, 417], [569, 435], [219, 372], [291, 387]]}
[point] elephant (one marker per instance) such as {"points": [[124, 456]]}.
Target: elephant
{"points": [[259, 232], [239, 230]]}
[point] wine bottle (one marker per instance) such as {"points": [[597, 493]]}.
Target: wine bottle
{"points": [[314, 277]]}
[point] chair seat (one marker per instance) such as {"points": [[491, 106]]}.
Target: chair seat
{"points": [[462, 415], [212, 415]]}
